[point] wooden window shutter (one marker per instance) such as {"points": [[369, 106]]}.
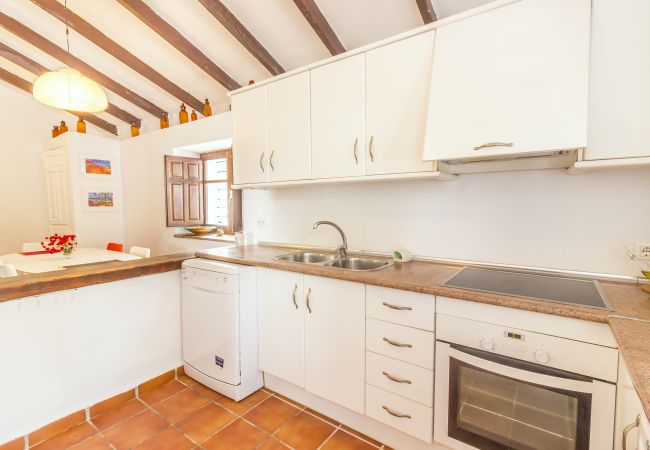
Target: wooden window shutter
{"points": [[184, 180]]}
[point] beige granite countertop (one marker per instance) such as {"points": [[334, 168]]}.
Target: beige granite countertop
{"points": [[629, 317]]}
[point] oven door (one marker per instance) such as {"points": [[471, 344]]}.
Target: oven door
{"points": [[488, 401]]}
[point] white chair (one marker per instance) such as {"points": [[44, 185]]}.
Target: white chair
{"points": [[7, 270], [32, 247], [142, 252]]}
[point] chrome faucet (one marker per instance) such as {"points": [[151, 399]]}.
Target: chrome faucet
{"points": [[342, 249]]}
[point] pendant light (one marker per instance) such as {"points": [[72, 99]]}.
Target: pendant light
{"points": [[67, 88]]}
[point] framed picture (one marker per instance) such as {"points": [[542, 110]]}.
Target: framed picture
{"points": [[101, 199], [97, 166]]}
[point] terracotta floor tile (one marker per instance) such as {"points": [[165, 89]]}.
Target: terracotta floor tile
{"points": [[97, 442], [57, 427], [187, 380], [180, 405], [162, 392], [206, 391], [323, 416], [111, 403], [304, 432], [154, 383], [239, 435], [119, 414], [360, 435], [244, 405], [135, 430], [288, 400], [68, 438], [16, 444], [205, 422], [169, 439], [344, 441], [271, 414], [272, 444]]}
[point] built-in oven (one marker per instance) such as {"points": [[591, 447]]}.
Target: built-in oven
{"points": [[504, 388]]}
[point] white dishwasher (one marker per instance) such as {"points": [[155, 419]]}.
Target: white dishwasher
{"points": [[219, 326]]}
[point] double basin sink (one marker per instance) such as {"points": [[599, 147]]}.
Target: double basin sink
{"points": [[356, 263]]}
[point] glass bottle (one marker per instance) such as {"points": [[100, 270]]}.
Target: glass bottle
{"points": [[207, 109], [164, 120], [81, 125], [63, 127], [182, 114], [55, 131], [194, 116], [135, 131]]}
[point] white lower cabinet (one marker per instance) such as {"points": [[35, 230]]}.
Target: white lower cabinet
{"points": [[628, 433], [398, 377]]}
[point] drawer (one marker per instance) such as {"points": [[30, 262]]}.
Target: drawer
{"points": [[400, 342], [402, 307], [407, 380], [385, 407]]}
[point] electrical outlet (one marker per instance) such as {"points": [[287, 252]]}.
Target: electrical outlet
{"points": [[261, 223], [643, 251]]}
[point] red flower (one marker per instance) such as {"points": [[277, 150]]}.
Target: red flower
{"points": [[56, 243]]}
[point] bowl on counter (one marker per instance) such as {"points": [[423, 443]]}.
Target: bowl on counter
{"points": [[202, 230]]}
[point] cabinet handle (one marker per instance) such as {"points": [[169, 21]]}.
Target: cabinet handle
{"points": [[261, 158], [295, 288], [494, 144], [372, 157], [395, 379], [356, 158], [397, 344], [307, 301], [398, 307], [271, 161], [629, 428], [396, 414]]}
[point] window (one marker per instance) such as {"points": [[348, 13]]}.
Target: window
{"points": [[199, 191]]}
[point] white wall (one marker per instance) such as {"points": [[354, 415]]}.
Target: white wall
{"points": [[143, 180], [64, 351], [533, 218]]}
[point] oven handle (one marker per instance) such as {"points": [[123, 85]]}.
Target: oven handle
{"points": [[522, 375]]}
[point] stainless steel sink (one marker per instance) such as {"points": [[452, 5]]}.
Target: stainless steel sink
{"points": [[359, 263], [306, 257]]}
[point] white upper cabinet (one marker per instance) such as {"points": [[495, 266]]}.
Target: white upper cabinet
{"points": [[250, 128], [619, 99], [289, 137], [337, 119], [510, 81], [397, 85]]}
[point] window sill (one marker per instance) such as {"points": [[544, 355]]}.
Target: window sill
{"points": [[208, 237]]}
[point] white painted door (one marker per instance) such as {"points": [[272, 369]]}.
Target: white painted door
{"points": [[398, 77], [281, 324], [337, 119], [619, 97], [250, 126], [57, 181], [510, 81], [335, 340], [289, 130]]}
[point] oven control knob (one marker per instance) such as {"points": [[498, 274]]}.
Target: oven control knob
{"points": [[486, 344], [542, 356]]}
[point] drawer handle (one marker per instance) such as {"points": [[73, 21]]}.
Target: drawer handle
{"points": [[295, 288], [397, 344], [395, 379], [396, 414], [398, 307], [629, 428], [494, 144]]}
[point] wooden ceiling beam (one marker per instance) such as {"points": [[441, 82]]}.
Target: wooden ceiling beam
{"points": [[239, 31], [149, 17], [25, 85], [426, 11], [317, 20], [98, 38], [13, 26], [37, 69]]}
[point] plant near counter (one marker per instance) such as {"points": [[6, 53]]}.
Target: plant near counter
{"points": [[60, 243]]}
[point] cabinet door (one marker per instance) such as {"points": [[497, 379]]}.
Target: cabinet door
{"points": [[619, 97], [250, 154], [289, 137], [281, 324], [510, 81], [398, 76], [335, 341], [337, 119], [628, 407]]}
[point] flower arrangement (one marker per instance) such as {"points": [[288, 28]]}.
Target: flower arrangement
{"points": [[56, 243]]}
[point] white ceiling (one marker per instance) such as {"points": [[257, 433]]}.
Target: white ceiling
{"points": [[277, 24]]}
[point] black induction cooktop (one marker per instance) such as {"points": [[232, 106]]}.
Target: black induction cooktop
{"points": [[572, 291]]}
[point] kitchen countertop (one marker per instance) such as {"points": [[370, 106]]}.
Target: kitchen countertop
{"points": [[629, 318]]}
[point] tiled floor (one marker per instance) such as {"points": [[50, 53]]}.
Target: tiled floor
{"points": [[183, 414]]}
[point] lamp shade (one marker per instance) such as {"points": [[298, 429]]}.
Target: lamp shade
{"points": [[68, 89]]}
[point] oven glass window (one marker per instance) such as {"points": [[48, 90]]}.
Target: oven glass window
{"points": [[493, 411]]}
